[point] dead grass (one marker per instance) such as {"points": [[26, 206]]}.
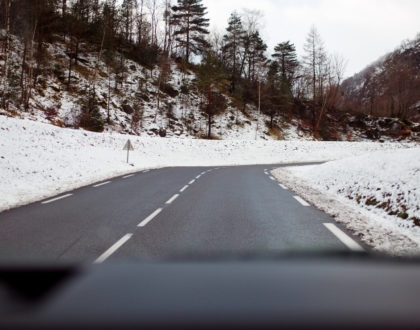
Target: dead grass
{"points": [[276, 132], [84, 71]]}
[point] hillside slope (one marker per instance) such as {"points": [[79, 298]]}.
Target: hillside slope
{"points": [[135, 107], [390, 86], [136, 103]]}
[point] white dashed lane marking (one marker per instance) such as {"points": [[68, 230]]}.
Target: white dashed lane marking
{"points": [[344, 238], [56, 199], [301, 201], [184, 188], [149, 218], [112, 249], [172, 199], [101, 184]]}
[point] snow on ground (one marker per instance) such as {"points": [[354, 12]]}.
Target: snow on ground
{"points": [[377, 195], [38, 160]]}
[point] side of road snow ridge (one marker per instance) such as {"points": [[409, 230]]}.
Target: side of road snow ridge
{"points": [[377, 195]]}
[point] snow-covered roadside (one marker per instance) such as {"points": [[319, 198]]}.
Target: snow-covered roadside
{"points": [[38, 160], [376, 195]]}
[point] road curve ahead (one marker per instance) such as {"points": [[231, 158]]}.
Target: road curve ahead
{"points": [[167, 212]]}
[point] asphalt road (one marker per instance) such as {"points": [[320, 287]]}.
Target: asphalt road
{"points": [[170, 212]]}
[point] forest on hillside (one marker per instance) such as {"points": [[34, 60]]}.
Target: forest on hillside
{"points": [[390, 87], [156, 33]]}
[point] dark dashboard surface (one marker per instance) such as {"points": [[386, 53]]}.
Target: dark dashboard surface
{"points": [[284, 292]]}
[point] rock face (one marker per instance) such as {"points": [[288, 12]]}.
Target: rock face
{"points": [[162, 132], [128, 109], [396, 128]]}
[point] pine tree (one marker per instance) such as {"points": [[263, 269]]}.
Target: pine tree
{"points": [[5, 76], [255, 53], [212, 80], [285, 55], [190, 26], [127, 15], [233, 41]]}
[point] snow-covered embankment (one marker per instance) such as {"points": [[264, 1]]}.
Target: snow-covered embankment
{"points": [[377, 195]]}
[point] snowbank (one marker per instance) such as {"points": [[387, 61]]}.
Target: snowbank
{"points": [[38, 160], [382, 189]]}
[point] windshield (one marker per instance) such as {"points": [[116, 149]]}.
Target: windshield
{"points": [[135, 130]]}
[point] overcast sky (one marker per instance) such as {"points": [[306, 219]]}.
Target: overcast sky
{"points": [[359, 30]]}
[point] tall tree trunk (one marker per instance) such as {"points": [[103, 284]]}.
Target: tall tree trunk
{"points": [[70, 65], [31, 68], [141, 22], [76, 51], [187, 51], [314, 87], [22, 75], [209, 124], [95, 74], [108, 118], [63, 8], [5, 101]]}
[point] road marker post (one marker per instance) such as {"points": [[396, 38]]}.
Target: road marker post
{"points": [[129, 147]]}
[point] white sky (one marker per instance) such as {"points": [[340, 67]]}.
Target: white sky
{"points": [[360, 30]]}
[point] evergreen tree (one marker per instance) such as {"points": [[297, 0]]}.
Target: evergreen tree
{"points": [[190, 26], [90, 117], [271, 100], [285, 55], [233, 41], [127, 15], [212, 81], [255, 53]]}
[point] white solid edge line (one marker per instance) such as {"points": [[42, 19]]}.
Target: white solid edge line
{"points": [[101, 184], [301, 201], [191, 182], [56, 199], [344, 238], [271, 178], [283, 186], [146, 171], [128, 176], [112, 249], [149, 218], [172, 199], [184, 188]]}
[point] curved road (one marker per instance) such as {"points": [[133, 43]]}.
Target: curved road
{"points": [[167, 212]]}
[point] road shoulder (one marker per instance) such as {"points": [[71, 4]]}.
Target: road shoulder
{"points": [[367, 227]]}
